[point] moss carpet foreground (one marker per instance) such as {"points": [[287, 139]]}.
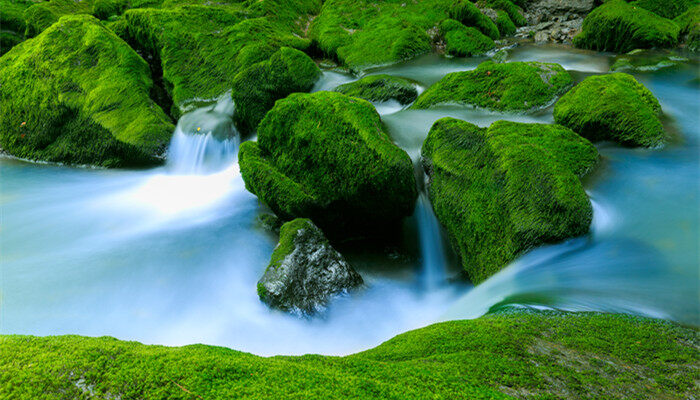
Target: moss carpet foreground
{"points": [[503, 355]]}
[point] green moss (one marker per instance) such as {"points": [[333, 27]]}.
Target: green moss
{"points": [[542, 355], [646, 61], [9, 40], [689, 23], [504, 190], [12, 26], [468, 14], [104, 9], [514, 13], [326, 156], [381, 87], [505, 25], [256, 88], [612, 107], [78, 94], [666, 8], [41, 15], [464, 41], [505, 86], [621, 27]]}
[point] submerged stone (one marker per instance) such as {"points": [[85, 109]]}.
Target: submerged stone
{"points": [[644, 61], [78, 94], [256, 88], [620, 27], [305, 271], [612, 107], [513, 86], [379, 88], [326, 156], [502, 190]]}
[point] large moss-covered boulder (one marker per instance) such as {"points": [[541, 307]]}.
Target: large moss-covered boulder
{"points": [[305, 271], [469, 14], [612, 107], [256, 88], [78, 94], [506, 189], [689, 23], [666, 8], [514, 86], [464, 41], [621, 27], [381, 87], [43, 14], [12, 25], [326, 156]]}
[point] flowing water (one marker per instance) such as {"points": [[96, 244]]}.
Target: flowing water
{"points": [[172, 255]]}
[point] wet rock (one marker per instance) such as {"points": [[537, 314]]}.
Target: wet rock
{"points": [[305, 271], [379, 88], [555, 21]]}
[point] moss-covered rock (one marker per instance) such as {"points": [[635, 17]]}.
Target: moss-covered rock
{"points": [[468, 14], [689, 23], [256, 88], [612, 107], [78, 94], [621, 27], [513, 86], [646, 61], [12, 25], [666, 8], [305, 271], [104, 9], [381, 87], [464, 41], [326, 156], [505, 25], [504, 190], [513, 12], [41, 15]]}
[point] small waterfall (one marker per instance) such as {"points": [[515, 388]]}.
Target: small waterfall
{"points": [[205, 140], [431, 246]]}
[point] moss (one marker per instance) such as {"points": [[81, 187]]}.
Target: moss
{"points": [[326, 156], [505, 86], [505, 25], [256, 88], [78, 94], [12, 25], [104, 9], [468, 14], [538, 355], [646, 61], [666, 8], [612, 107], [689, 23], [504, 190], [9, 40], [41, 15], [381, 87], [464, 41], [621, 27], [202, 48], [514, 13]]}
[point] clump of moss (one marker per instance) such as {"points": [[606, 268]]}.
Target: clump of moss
{"points": [[379, 88], [514, 13], [41, 15], [666, 8], [514, 86], [12, 26], [78, 94], [505, 25], [256, 88], [621, 27], [646, 61], [103, 9], [612, 107], [468, 14], [689, 23], [504, 190], [326, 156], [464, 41]]}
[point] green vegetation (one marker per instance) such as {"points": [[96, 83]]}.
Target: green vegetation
{"points": [[621, 27], [612, 107], [256, 88], [12, 26], [41, 15], [464, 41], [666, 8], [468, 14], [505, 25], [689, 22], [513, 12], [504, 190], [514, 86], [104, 9], [326, 156], [649, 60], [78, 94], [380, 88], [504, 355]]}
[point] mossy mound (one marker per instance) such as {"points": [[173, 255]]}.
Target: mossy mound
{"points": [[666, 8], [42, 15], [379, 88], [366, 33], [500, 356], [104, 9], [513, 11], [689, 23], [464, 41], [256, 88], [78, 94], [504, 190], [305, 271], [612, 107], [326, 156], [505, 25], [621, 27], [513, 86], [12, 25]]}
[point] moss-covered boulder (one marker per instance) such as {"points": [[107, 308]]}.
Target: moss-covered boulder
{"points": [[326, 156], [256, 88], [78, 94], [612, 107], [469, 14], [12, 25], [644, 61], [464, 41], [43, 14], [666, 8], [379, 88], [512, 11], [504, 190], [689, 23], [505, 25], [104, 9], [305, 271], [513, 86], [621, 27]]}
